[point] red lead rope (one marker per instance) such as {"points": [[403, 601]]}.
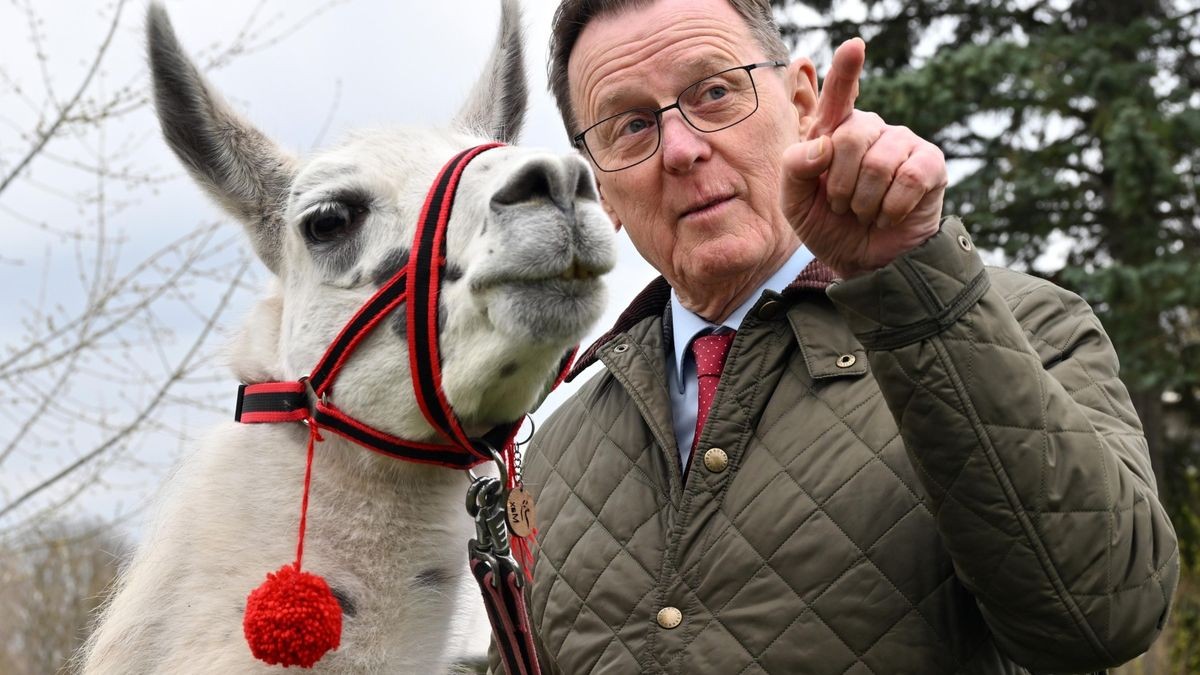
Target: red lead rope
{"points": [[293, 618]]}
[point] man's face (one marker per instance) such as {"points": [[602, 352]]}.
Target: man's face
{"points": [[704, 210]]}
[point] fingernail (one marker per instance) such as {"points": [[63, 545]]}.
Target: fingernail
{"points": [[839, 206], [815, 150], [883, 221]]}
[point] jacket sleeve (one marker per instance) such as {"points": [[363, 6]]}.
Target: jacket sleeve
{"points": [[1006, 392]]}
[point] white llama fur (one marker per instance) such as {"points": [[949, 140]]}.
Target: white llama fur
{"points": [[528, 241]]}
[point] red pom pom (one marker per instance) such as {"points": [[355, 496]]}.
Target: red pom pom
{"points": [[292, 619]]}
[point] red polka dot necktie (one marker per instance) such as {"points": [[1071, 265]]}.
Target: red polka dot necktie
{"points": [[710, 352]]}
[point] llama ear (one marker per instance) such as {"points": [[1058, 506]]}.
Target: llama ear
{"points": [[237, 164], [496, 104]]}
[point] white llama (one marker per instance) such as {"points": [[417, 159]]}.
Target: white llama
{"points": [[526, 245]]}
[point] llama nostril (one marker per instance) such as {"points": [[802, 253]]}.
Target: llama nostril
{"points": [[533, 181], [561, 180]]}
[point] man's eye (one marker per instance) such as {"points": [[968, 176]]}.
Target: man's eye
{"points": [[635, 126], [715, 92]]}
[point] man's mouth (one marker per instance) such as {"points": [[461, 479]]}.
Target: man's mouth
{"points": [[710, 205]]}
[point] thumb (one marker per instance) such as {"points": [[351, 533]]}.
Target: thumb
{"points": [[807, 160], [803, 165]]}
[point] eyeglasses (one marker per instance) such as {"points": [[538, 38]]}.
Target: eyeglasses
{"points": [[716, 102]]}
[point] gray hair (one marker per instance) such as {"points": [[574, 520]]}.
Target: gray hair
{"points": [[573, 15]]}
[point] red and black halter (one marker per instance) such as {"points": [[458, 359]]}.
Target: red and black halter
{"points": [[418, 283], [307, 400]]}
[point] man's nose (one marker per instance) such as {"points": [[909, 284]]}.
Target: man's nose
{"points": [[682, 144]]}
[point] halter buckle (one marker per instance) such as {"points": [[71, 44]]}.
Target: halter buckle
{"points": [[311, 394]]}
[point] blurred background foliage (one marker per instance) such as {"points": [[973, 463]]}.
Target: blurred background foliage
{"points": [[51, 584], [1073, 134]]}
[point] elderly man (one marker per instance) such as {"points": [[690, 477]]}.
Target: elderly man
{"points": [[827, 439]]}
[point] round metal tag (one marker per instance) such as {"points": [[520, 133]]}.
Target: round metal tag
{"points": [[522, 518]]}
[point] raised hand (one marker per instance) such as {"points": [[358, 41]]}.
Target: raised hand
{"points": [[857, 191]]}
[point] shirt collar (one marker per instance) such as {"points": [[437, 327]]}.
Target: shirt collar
{"points": [[686, 325]]}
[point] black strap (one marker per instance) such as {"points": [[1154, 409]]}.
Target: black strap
{"points": [[385, 300], [329, 417], [271, 402]]}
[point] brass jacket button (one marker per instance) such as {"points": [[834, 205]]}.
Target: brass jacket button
{"points": [[669, 617], [846, 360], [770, 310], [715, 460]]}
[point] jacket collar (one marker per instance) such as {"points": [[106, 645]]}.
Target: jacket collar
{"points": [[653, 301]]}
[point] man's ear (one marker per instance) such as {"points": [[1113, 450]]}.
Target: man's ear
{"points": [[802, 78], [612, 215]]}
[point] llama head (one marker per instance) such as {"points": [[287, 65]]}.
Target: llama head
{"points": [[526, 244]]}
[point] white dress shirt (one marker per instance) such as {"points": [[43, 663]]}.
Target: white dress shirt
{"points": [[686, 326]]}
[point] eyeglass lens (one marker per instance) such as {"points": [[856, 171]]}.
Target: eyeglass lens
{"points": [[717, 102]]}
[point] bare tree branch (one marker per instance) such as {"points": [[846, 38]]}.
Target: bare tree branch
{"points": [[199, 237], [49, 132], [133, 425]]}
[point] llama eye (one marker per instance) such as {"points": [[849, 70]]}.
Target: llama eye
{"points": [[332, 222]]}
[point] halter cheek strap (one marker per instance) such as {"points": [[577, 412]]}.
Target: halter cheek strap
{"points": [[424, 283]]}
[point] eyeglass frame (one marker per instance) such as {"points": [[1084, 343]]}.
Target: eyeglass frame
{"points": [[581, 144]]}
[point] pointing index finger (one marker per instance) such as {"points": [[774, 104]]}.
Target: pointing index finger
{"points": [[840, 88]]}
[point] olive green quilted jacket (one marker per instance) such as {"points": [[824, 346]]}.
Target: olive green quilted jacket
{"points": [[930, 469]]}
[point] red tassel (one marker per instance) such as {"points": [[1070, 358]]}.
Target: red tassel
{"points": [[292, 619], [523, 554]]}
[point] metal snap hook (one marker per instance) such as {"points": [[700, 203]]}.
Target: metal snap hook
{"points": [[495, 454]]}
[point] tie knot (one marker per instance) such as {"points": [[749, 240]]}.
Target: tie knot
{"points": [[710, 352]]}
